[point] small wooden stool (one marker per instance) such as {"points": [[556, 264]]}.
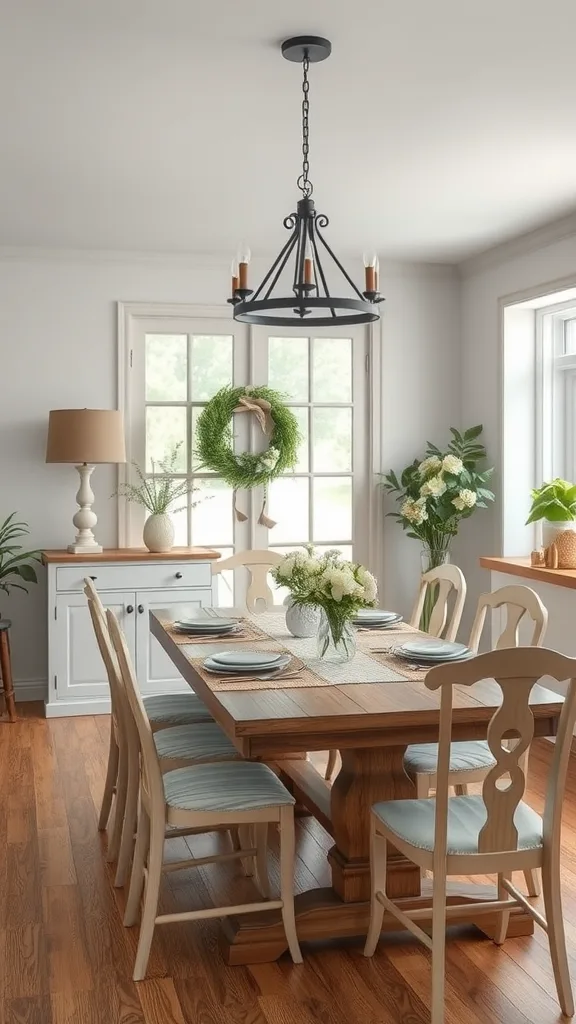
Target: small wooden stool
{"points": [[6, 669]]}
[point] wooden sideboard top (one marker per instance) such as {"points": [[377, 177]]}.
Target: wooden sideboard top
{"points": [[133, 555], [522, 567]]}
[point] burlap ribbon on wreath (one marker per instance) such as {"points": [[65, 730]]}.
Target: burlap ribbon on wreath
{"points": [[260, 407]]}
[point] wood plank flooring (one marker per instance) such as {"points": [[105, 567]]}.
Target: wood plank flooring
{"points": [[65, 957]]}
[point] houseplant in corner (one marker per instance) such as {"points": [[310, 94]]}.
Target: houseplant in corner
{"points": [[436, 493], [15, 567], [555, 505], [158, 493]]}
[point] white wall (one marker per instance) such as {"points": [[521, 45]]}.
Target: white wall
{"points": [[542, 265], [58, 350]]}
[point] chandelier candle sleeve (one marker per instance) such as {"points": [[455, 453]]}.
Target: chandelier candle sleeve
{"points": [[235, 276]]}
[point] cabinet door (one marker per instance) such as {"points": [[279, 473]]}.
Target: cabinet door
{"points": [[77, 667], [155, 670]]}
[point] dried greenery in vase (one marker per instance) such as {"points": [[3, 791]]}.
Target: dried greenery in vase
{"points": [[158, 492]]}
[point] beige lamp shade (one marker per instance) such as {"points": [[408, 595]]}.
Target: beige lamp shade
{"points": [[85, 435]]}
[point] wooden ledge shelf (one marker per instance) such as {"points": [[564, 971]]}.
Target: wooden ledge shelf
{"points": [[132, 555], [522, 567]]}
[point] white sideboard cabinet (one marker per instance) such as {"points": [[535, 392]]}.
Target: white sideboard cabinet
{"points": [[132, 582]]}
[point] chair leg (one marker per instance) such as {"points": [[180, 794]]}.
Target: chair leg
{"points": [[115, 833], [246, 843], [461, 790], [330, 767], [151, 893], [556, 935], [422, 786], [532, 881], [137, 877], [287, 854], [261, 860], [501, 930], [438, 947], [126, 847], [378, 854], [111, 775]]}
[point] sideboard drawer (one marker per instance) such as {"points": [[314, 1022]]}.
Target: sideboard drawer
{"points": [[131, 576]]}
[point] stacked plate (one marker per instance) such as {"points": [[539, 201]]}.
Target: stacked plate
{"points": [[250, 663], [206, 627], [376, 618], [432, 652]]}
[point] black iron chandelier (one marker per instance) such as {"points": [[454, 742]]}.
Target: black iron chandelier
{"points": [[311, 296]]}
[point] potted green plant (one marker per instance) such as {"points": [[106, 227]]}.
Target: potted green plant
{"points": [[158, 493], [554, 504], [15, 567], [436, 493]]}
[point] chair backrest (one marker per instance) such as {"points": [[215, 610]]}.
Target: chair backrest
{"points": [[258, 564], [98, 616], [444, 579], [151, 778], [519, 601], [515, 670]]}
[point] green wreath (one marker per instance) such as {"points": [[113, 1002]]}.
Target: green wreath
{"points": [[215, 438]]}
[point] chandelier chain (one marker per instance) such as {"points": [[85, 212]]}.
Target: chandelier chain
{"points": [[304, 183]]}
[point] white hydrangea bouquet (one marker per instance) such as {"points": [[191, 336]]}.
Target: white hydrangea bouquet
{"points": [[338, 587], [437, 492]]}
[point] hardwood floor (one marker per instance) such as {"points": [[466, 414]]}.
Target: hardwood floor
{"points": [[65, 957]]}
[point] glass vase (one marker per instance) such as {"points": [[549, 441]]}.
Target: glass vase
{"points": [[336, 639], [430, 558]]}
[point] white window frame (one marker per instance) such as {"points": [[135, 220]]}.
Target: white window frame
{"points": [[132, 317], [555, 394]]}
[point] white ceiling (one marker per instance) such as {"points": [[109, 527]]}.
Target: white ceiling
{"points": [[437, 128]]}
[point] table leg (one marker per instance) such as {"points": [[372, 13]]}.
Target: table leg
{"points": [[367, 775], [6, 672]]}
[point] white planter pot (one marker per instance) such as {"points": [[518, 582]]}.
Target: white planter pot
{"points": [[551, 530], [301, 619], [158, 533]]}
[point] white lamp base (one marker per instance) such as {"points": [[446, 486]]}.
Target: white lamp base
{"points": [[85, 518]]}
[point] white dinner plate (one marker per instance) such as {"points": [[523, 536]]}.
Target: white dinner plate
{"points": [[206, 626], [253, 659], [377, 623], [228, 670], [433, 648], [374, 614]]}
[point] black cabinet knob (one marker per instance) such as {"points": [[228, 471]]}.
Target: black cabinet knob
{"points": [[140, 609], [130, 609], [93, 577], [178, 575]]}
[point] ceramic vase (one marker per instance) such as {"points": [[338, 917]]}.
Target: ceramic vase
{"points": [[158, 533], [301, 619]]}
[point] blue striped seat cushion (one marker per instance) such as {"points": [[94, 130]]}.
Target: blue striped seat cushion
{"points": [[227, 787], [413, 821], [422, 758], [201, 742], [176, 709]]}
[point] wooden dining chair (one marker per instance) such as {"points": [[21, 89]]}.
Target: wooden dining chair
{"points": [[258, 564], [246, 793], [471, 761], [442, 581], [495, 833], [176, 747]]}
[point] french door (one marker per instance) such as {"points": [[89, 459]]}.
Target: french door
{"points": [[175, 364]]}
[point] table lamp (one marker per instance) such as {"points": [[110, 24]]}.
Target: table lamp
{"points": [[85, 437]]}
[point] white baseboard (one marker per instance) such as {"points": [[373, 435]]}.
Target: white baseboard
{"points": [[30, 689], [66, 708]]}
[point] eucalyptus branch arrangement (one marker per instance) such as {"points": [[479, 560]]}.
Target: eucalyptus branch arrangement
{"points": [[159, 491], [15, 568]]}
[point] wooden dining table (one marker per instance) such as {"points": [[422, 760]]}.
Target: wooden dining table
{"points": [[371, 724]]}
